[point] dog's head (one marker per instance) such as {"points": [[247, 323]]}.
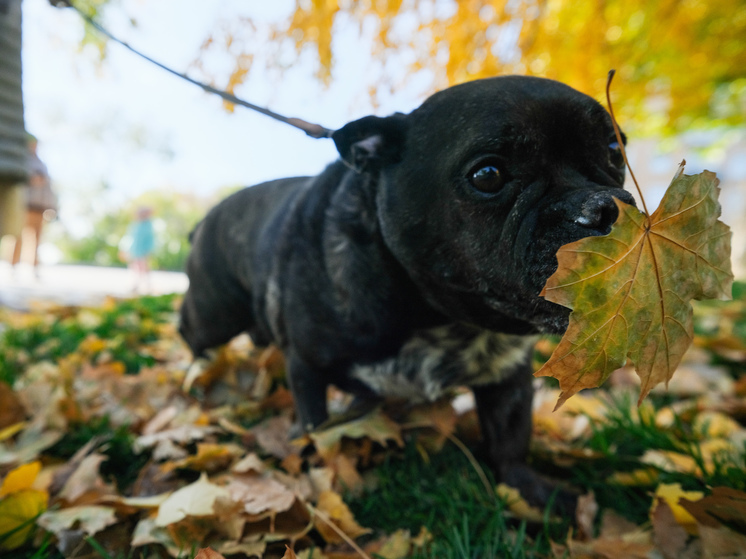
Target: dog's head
{"points": [[479, 187]]}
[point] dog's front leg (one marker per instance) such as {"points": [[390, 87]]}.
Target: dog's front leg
{"points": [[504, 410], [505, 417], [308, 386]]}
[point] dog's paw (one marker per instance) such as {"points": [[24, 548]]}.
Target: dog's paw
{"points": [[541, 492]]}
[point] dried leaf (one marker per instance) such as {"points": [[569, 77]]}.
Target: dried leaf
{"points": [[669, 536], [518, 505], [29, 445], [348, 475], [671, 494], [333, 509], [196, 499], [12, 430], [636, 546], [292, 464], [630, 290], [247, 548], [311, 553], [670, 461], [272, 436], [160, 421], [322, 479], [260, 494], [89, 519], [183, 434], [585, 514], [723, 506], [146, 532], [713, 424], [375, 426], [614, 525], [639, 477], [208, 553], [395, 546], [722, 543], [211, 457], [11, 409], [573, 420], [87, 480], [249, 463]]}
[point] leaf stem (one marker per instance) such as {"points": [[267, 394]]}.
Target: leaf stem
{"points": [[474, 464], [329, 522], [621, 146]]}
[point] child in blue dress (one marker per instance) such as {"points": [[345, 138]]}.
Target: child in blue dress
{"points": [[137, 247]]}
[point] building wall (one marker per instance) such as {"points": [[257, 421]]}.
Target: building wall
{"points": [[12, 133]]}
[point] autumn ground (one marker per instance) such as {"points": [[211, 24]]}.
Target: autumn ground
{"points": [[113, 445]]}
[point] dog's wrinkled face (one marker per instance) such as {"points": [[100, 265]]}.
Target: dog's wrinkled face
{"points": [[481, 185]]}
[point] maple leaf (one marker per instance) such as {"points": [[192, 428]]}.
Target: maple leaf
{"points": [[630, 290]]}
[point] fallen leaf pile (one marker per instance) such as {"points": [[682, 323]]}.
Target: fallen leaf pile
{"points": [[630, 290], [113, 444]]}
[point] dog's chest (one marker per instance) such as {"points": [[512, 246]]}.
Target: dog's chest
{"points": [[434, 360]]}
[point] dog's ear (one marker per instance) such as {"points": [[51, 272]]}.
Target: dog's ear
{"points": [[371, 142]]}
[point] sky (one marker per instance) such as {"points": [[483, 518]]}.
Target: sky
{"points": [[134, 127]]}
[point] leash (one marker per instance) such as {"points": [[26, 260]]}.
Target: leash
{"points": [[313, 130]]}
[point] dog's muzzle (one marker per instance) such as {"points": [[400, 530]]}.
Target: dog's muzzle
{"points": [[599, 211]]}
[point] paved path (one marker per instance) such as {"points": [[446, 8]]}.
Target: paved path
{"points": [[76, 285]]}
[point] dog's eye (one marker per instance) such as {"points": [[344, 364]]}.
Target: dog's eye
{"points": [[486, 179], [615, 154]]}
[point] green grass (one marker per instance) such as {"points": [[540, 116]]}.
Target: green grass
{"points": [[623, 437], [46, 550], [446, 496], [126, 328]]}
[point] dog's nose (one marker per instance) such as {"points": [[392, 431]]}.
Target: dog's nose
{"points": [[598, 212]]}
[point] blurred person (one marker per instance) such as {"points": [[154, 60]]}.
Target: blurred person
{"points": [[41, 203], [11, 216], [137, 246]]}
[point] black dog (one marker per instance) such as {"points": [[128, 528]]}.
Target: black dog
{"points": [[414, 264]]}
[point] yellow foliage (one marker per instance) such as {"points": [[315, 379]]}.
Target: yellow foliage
{"points": [[680, 63]]}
